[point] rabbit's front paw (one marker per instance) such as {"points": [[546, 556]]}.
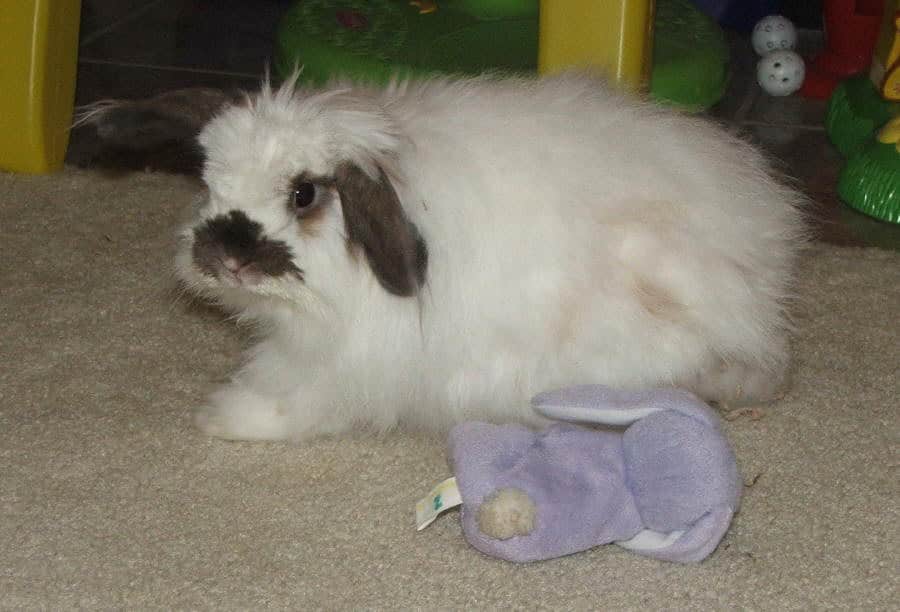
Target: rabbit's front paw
{"points": [[740, 385], [239, 414]]}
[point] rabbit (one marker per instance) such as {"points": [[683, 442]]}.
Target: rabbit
{"points": [[157, 133], [439, 250]]}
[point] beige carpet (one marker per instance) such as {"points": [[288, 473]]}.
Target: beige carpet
{"points": [[110, 499]]}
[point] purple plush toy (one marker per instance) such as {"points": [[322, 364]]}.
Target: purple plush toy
{"points": [[667, 487]]}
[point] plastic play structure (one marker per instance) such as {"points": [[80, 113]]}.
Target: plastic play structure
{"points": [[863, 122], [851, 27], [740, 15], [37, 75], [669, 45]]}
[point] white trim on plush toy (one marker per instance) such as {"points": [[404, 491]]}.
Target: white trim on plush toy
{"points": [[649, 540], [593, 414]]}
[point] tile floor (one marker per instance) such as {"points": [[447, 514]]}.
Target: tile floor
{"points": [[134, 48]]}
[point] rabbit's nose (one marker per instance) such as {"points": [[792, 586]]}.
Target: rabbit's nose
{"points": [[237, 246], [232, 264], [242, 271]]}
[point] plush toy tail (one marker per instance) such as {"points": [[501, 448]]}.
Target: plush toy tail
{"points": [[603, 405]]}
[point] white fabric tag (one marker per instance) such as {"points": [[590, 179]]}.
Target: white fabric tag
{"points": [[443, 497]]}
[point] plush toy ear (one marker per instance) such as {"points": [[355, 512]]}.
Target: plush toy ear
{"points": [[685, 545], [376, 223], [606, 406]]}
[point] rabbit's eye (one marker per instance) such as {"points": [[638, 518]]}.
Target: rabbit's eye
{"points": [[303, 196]]}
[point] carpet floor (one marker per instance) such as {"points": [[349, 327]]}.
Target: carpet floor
{"points": [[109, 498]]}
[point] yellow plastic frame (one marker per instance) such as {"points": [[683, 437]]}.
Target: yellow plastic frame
{"points": [[615, 36], [37, 80], [37, 68]]}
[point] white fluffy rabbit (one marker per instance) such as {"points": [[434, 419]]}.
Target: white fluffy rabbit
{"points": [[442, 250]]}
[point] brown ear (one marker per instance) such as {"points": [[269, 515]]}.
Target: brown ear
{"points": [[376, 223], [158, 133]]}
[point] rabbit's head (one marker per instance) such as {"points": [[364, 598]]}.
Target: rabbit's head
{"points": [[301, 202]]}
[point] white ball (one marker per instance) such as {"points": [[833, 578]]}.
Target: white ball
{"points": [[780, 73], [774, 33]]}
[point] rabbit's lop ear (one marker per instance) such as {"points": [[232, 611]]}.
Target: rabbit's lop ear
{"points": [[376, 223], [158, 133]]}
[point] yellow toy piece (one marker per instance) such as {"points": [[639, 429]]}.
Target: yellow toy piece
{"points": [[890, 133], [885, 72], [425, 6], [37, 77], [614, 36]]}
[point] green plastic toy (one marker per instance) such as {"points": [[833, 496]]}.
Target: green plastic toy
{"points": [[690, 57], [855, 111], [870, 182], [863, 122], [372, 40]]}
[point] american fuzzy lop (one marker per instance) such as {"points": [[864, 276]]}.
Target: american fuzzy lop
{"points": [[573, 235]]}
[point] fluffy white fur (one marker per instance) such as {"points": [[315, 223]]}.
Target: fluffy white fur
{"points": [[575, 236]]}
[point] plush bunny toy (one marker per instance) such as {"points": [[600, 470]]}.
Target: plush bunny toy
{"points": [[667, 487]]}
